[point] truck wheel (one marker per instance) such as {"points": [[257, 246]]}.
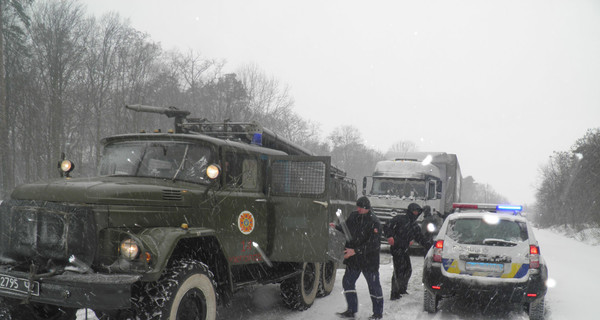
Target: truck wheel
{"points": [[536, 309], [14, 310], [299, 292], [185, 290], [430, 301], [328, 272]]}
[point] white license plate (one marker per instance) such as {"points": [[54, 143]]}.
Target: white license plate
{"points": [[485, 267], [19, 285]]}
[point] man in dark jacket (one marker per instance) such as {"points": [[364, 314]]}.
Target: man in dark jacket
{"points": [[400, 231], [361, 255]]}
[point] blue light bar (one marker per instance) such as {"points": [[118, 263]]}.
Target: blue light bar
{"points": [[507, 207], [257, 139]]}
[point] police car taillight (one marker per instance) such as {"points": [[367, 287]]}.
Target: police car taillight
{"points": [[437, 251], [534, 257]]}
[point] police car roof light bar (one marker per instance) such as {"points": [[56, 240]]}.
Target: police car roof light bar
{"points": [[487, 206], [508, 207]]}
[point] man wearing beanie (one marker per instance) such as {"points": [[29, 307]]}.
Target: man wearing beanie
{"points": [[400, 231], [361, 255]]}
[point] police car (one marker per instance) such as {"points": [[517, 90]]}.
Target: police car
{"points": [[486, 251]]}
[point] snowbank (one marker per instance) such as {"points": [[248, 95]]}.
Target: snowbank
{"points": [[589, 234]]}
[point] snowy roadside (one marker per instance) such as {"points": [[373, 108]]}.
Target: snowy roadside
{"points": [[588, 234]]}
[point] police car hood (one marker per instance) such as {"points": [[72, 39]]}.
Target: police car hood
{"points": [[106, 190]]}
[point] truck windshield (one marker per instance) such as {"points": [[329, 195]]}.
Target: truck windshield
{"points": [[477, 231], [398, 187], [156, 159]]}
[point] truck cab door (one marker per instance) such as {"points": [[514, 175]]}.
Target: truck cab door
{"points": [[298, 197], [431, 190]]}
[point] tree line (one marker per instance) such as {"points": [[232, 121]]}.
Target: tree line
{"points": [[65, 78], [569, 189]]}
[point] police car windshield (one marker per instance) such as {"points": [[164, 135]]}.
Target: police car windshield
{"points": [[398, 187], [156, 159], [478, 231]]}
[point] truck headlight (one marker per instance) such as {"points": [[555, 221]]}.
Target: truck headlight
{"points": [[66, 166], [213, 171], [129, 249]]}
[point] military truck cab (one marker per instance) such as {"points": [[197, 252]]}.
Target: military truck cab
{"points": [[183, 218]]}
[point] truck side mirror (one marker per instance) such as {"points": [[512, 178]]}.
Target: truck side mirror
{"points": [[364, 188]]}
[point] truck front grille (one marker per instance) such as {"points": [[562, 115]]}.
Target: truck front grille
{"points": [[173, 195], [40, 231], [385, 214]]}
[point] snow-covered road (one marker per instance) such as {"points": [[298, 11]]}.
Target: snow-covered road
{"points": [[264, 302], [571, 264]]}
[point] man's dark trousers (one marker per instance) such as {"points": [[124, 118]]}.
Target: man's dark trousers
{"points": [[349, 284], [402, 273]]}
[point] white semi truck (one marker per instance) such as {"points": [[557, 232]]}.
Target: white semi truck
{"points": [[425, 178]]}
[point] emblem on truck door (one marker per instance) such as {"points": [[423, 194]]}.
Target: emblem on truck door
{"points": [[246, 222]]}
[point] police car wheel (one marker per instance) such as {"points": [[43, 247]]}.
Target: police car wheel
{"points": [[328, 272], [299, 292], [185, 290], [430, 301], [536, 309]]}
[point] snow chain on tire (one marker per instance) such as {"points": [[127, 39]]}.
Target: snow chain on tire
{"points": [[188, 284], [328, 273], [430, 301], [536, 309], [300, 292]]}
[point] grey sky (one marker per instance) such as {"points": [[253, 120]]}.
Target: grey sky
{"points": [[502, 84]]}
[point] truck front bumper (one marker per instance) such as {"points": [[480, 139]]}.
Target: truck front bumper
{"points": [[73, 290]]}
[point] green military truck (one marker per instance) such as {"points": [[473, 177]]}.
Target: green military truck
{"points": [[174, 224]]}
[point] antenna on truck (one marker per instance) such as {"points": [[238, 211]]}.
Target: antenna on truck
{"points": [[171, 112], [249, 132]]}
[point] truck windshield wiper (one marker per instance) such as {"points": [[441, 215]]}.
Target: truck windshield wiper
{"points": [[139, 164], [187, 147]]}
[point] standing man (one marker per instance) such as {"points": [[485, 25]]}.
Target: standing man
{"points": [[361, 255], [400, 231]]}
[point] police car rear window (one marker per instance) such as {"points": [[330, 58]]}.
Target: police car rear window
{"points": [[478, 231]]}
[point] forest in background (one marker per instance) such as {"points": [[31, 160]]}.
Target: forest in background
{"points": [[569, 189], [66, 77]]}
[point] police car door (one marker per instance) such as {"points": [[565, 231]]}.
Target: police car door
{"points": [[298, 189]]}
